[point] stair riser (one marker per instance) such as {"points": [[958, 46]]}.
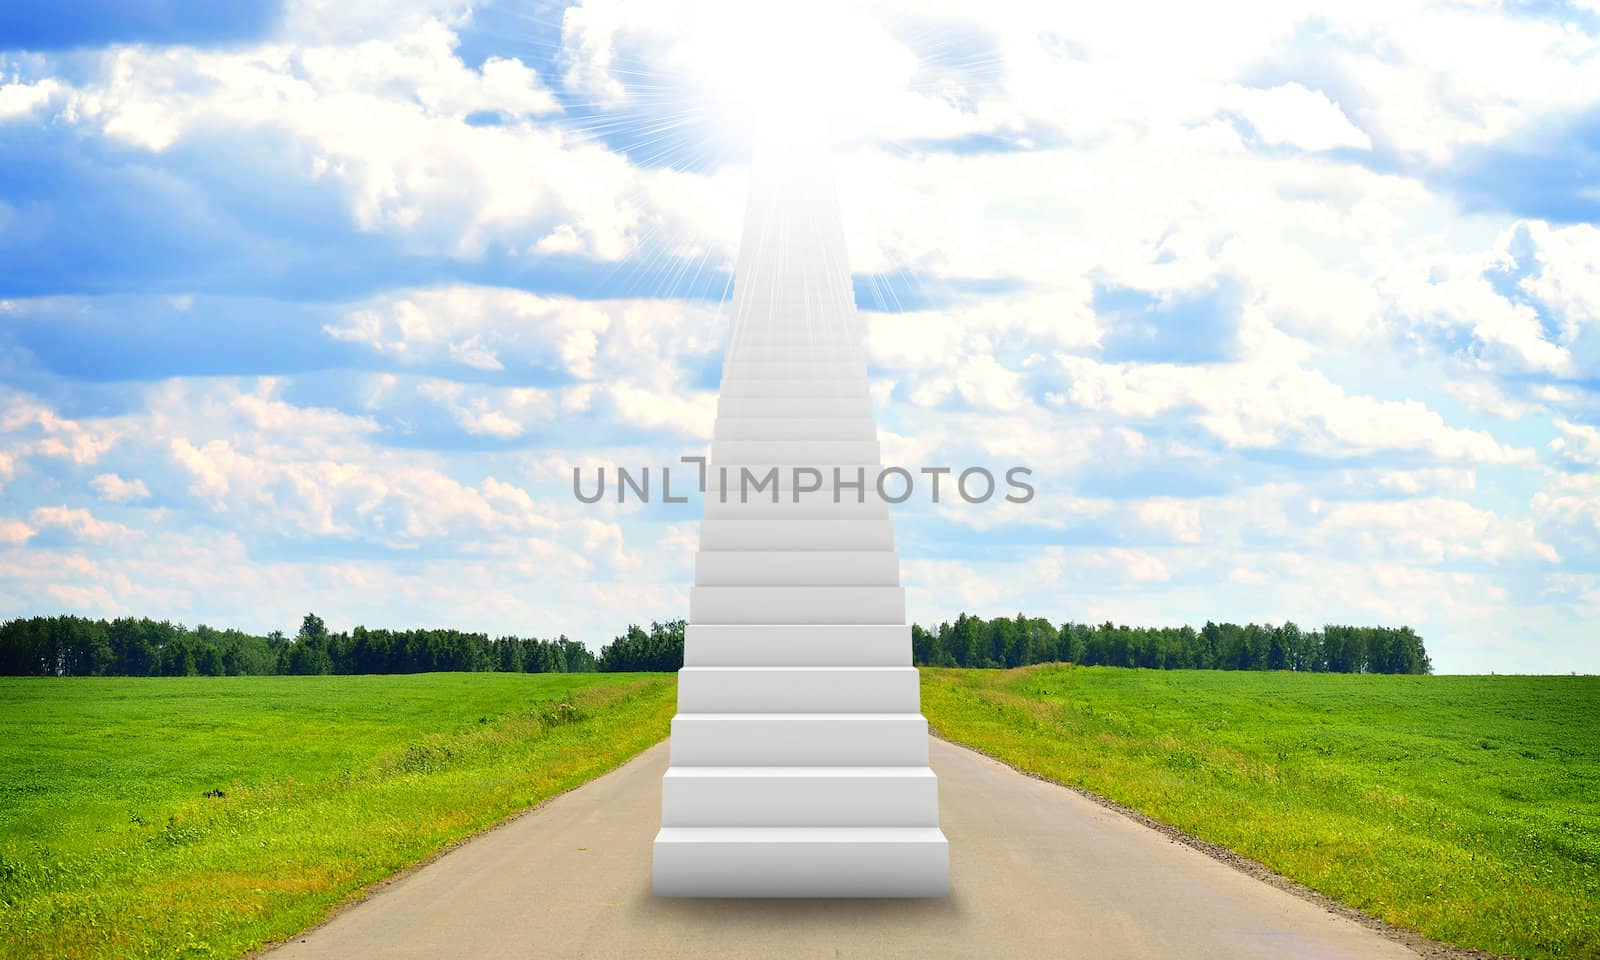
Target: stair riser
{"points": [[794, 533], [786, 645], [794, 388], [836, 336], [801, 452], [795, 740], [795, 428], [795, 568], [844, 362], [797, 605], [736, 801], [814, 506], [798, 690], [735, 407], [797, 869], [785, 367], [793, 348]]}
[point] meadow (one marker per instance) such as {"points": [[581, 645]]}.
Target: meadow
{"points": [[201, 817], [1466, 808], [204, 816]]}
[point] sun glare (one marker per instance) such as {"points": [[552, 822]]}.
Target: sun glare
{"points": [[811, 74]]}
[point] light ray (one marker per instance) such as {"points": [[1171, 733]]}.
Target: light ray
{"points": [[727, 75]]}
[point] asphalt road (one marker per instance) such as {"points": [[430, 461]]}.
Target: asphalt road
{"points": [[1037, 871]]}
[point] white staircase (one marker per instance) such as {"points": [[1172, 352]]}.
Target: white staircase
{"points": [[799, 763]]}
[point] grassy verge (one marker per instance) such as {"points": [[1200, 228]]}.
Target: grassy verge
{"points": [[201, 817], [1467, 808]]}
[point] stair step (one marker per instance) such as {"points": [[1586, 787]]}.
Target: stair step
{"points": [[741, 365], [798, 605], [803, 452], [795, 531], [800, 797], [797, 645], [796, 568], [746, 387], [798, 690], [799, 739], [794, 428], [794, 407], [801, 862], [813, 505], [850, 362], [794, 337]]}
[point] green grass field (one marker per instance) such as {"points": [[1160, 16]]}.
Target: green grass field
{"points": [[1467, 808], [199, 817]]}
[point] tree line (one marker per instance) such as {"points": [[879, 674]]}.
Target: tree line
{"points": [[1017, 641], [77, 646], [81, 647]]}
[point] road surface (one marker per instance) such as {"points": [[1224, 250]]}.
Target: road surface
{"points": [[1037, 871]]}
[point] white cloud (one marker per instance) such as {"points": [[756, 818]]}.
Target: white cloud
{"points": [[563, 239], [488, 328], [1566, 512], [1428, 531], [1291, 114], [1483, 394], [21, 100], [1255, 406], [1177, 520], [1411, 483], [274, 470], [115, 489], [473, 353], [690, 414], [1578, 445], [496, 413], [79, 524], [209, 467], [1568, 274], [1547, 323], [385, 119], [33, 429], [983, 382]]}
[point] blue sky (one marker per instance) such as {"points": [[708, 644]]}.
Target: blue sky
{"points": [[1294, 313]]}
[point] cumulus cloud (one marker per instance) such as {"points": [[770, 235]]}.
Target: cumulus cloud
{"points": [[1257, 406], [1291, 114], [115, 489], [1566, 512], [479, 327], [383, 120], [502, 413], [78, 524], [33, 429], [19, 100], [1428, 531], [1578, 445]]}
